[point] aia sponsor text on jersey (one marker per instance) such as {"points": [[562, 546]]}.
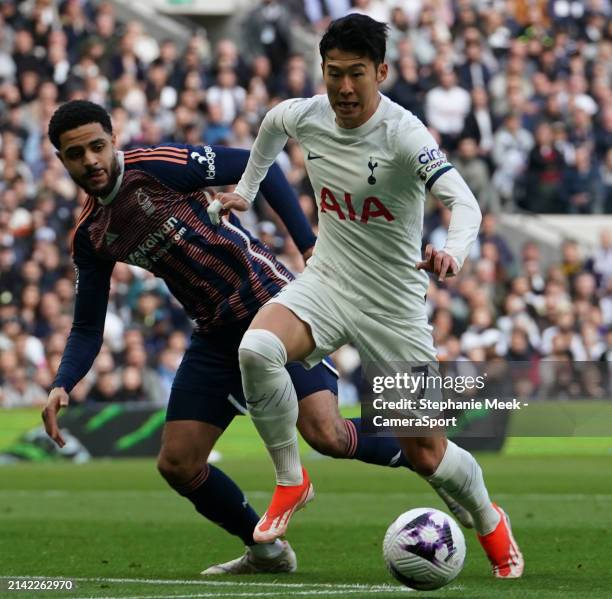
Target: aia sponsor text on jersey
{"points": [[372, 207]]}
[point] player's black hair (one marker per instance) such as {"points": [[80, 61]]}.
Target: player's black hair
{"points": [[74, 114], [356, 33]]}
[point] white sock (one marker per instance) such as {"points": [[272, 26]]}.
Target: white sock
{"points": [[271, 400], [267, 550], [461, 477]]}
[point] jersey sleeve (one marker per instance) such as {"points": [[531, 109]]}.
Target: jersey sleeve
{"points": [[210, 166], [91, 300], [425, 160], [454, 193], [278, 125], [420, 152]]}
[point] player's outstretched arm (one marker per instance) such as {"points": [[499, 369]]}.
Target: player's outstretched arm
{"points": [[85, 339]]}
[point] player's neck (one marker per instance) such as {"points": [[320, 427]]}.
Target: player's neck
{"points": [[109, 196]]}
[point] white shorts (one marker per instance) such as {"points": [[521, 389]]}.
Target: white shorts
{"points": [[337, 316]]}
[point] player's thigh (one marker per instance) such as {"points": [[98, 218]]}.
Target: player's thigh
{"points": [[383, 339], [306, 315], [202, 400], [389, 346], [294, 333]]}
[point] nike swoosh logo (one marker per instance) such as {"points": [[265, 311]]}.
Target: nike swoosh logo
{"points": [[395, 459], [313, 156]]}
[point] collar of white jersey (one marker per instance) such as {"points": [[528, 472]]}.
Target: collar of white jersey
{"points": [[111, 196], [370, 124]]}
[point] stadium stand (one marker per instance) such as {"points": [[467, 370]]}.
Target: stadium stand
{"points": [[518, 93]]}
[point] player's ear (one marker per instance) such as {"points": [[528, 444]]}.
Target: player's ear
{"points": [[381, 72], [114, 139]]}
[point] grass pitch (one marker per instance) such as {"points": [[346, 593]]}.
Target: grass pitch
{"points": [[117, 531]]}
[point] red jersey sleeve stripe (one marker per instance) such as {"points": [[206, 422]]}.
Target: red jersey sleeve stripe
{"points": [[160, 158], [153, 157], [166, 149], [154, 149], [87, 210]]}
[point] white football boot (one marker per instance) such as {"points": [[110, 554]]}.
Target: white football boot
{"points": [[285, 561]]}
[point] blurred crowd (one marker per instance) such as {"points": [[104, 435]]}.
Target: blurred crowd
{"points": [[517, 92]]}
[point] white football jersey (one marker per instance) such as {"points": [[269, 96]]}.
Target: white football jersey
{"points": [[370, 185]]}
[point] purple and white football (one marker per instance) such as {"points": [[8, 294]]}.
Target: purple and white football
{"points": [[424, 549]]}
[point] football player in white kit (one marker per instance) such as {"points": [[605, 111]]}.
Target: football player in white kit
{"points": [[370, 162]]}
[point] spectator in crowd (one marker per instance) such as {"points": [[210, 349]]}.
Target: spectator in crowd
{"points": [[600, 264], [475, 171], [19, 391], [489, 234], [132, 388], [545, 169], [105, 389], [321, 12], [474, 73], [446, 107], [406, 90], [580, 184], [511, 146], [227, 94], [478, 123], [266, 30]]}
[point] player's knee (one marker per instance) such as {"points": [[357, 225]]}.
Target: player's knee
{"points": [[176, 468], [261, 350]]}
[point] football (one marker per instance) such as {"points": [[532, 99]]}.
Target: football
{"points": [[424, 549]]}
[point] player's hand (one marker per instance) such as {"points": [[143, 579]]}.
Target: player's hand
{"points": [[223, 203], [58, 399], [438, 262]]}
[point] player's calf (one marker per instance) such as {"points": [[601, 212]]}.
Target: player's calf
{"points": [[182, 462], [327, 436], [424, 453]]}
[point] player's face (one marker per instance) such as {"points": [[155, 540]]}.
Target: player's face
{"points": [[352, 86], [88, 153]]}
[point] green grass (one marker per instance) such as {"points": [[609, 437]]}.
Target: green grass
{"points": [[15, 422], [117, 520]]}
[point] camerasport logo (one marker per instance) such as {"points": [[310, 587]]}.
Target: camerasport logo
{"points": [[208, 159]]}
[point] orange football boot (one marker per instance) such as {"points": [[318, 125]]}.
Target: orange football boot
{"points": [[285, 501], [502, 550]]}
